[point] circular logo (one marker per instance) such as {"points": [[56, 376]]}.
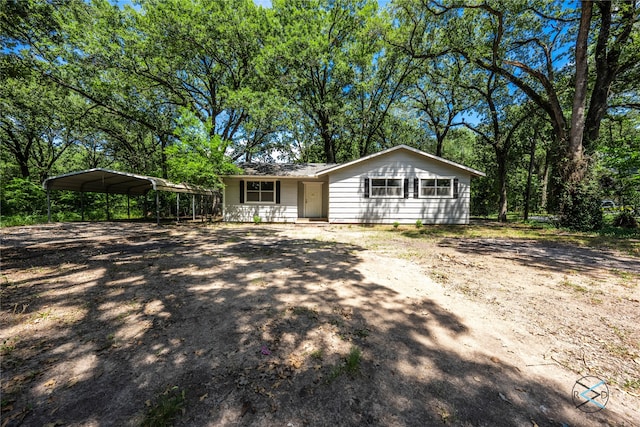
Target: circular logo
{"points": [[590, 394]]}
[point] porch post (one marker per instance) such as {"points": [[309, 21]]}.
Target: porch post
{"points": [[157, 208], [177, 207], [193, 206]]}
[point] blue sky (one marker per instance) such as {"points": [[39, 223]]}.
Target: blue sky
{"points": [[267, 3]]}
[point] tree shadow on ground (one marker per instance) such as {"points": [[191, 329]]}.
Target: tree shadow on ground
{"points": [[550, 256], [253, 326]]}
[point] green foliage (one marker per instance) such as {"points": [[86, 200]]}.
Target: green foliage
{"points": [[350, 364], [353, 361], [257, 219], [166, 409], [183, 88], [197, 157], [23, 196], [625, 219], [396, 224], [580, 206], [418, 223]]}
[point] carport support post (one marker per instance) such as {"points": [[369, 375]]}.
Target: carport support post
{"points": [[108, 214], [157, 208], [177, 207], [193, 206], [203, 207], [128, 207], [82, 206], [48, 206]]}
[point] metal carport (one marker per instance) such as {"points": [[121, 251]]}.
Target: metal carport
{"points": [[114, 182]]}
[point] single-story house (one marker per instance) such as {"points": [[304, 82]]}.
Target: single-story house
{"points": [[400, 184]]}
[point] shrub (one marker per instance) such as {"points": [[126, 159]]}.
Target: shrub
{"points": [[580, 207], [23, 197], [625, 220], [419, 223], [257, 219], [396, 224]]}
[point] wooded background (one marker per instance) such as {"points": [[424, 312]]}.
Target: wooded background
{"points": [[541, 95]]}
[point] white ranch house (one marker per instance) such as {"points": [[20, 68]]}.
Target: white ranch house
{"points": [[400, 184]]}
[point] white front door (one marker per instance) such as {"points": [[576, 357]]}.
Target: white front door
{"points": [[313, 199]]}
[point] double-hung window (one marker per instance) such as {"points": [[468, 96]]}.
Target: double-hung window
{"points": [[386, 187], [436, 187], [260, 192]]}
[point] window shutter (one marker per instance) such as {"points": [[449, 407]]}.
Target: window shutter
{"points": [[416, 188], [455, 188], [406, 188], [277, 192], [366, 188], [241, 191]]}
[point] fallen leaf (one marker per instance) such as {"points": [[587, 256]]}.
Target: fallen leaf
{"points": [[204, 396], [503, 397]]}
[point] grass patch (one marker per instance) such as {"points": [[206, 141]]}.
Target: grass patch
{"points": [[8, 346], [573, 286], [317, 355], [349, 366], [633, 384], [609, 237], [166, 409], [310, 313]]}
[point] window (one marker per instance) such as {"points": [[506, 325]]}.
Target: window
{"points": [[386, 187], [436, 187], [260, 191]]}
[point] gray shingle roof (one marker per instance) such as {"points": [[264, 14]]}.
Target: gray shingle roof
{"points": [[283, 169]]}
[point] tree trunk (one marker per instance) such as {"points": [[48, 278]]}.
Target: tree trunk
{"points": [[439, 144], [327, 139], [163, 156], [575, 168], [527, 194], [545, 181], [607, 62], [501, 157]]}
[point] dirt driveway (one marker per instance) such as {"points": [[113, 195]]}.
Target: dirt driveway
{"points": [[117, 324]]}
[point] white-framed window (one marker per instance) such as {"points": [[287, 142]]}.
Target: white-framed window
{"points": [[436, 187], [260, 192], [387, 187]]}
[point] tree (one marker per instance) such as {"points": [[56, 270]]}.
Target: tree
{"points": [[315, 50], [499, 120], [39, 122], [197, 157], [520, 41], [437, 95]]}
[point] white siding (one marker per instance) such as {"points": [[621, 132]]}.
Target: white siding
{"points": [[285, 211], [347, 203]]}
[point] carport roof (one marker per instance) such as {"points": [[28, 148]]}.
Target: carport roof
{"points": [[115, 182]]}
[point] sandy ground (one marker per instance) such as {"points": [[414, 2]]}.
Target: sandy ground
{"points": [[253, 325]]}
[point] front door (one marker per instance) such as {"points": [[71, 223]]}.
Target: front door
{"points": [[313, 199]]}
